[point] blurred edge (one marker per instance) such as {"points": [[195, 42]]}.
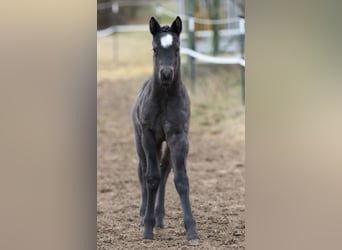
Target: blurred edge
{"points": [[48, 125], [293, 125]]}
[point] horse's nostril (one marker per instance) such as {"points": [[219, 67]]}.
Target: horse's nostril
{"points": [[166, 73]]}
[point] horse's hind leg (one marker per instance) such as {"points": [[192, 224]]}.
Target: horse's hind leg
{"points": [[165, 168], [141, 174]]}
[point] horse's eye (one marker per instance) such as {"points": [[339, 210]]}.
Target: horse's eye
{"points": [[155, 51]]}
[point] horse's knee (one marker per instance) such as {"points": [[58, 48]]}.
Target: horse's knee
{"points": [[182, 184], [153, 183], [164, 170]]}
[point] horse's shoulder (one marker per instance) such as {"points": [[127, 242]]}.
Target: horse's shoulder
{"points": [[145, 88]]}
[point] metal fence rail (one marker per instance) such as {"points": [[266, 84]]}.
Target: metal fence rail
{"points": [[203, 33]]}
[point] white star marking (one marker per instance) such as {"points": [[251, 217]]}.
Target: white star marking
{"points": [[166, 41]]}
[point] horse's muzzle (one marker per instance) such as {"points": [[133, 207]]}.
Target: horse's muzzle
{"points": [[166, 75]]}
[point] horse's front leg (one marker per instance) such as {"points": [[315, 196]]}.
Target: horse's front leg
{"points": [[141, 174], [165, 168], [152, 180], [179, 147]]}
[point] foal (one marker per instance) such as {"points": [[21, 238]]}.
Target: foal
{"points": [[161, 114]]}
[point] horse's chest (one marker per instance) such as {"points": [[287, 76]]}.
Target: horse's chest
{"points": [[164, 119]]}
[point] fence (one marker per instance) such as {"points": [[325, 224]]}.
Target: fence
{"points": [[235, 26]]}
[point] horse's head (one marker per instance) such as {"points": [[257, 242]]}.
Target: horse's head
{"points": [[166, 44]]}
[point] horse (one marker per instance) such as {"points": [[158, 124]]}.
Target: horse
{"points": [[161, 116]]}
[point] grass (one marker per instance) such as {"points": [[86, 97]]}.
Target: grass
{"points": [[217, 103], [124, 55]]}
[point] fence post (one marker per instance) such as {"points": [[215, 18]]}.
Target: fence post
{"points": [[215, 16], [115, 12], [242, 42], [159, 12], [191, 41]]}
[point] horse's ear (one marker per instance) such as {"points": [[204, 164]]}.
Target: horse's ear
{"points": [[154, 26], [176, 26]]}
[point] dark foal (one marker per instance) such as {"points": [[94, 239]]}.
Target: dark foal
{"points": [[161, 114]]}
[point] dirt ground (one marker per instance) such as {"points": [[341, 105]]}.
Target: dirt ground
{"points": [[215, 169]]}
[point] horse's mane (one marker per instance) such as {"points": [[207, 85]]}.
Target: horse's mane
{"points": [[165, 28]]}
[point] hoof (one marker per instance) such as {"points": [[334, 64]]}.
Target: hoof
{"points": [[193, 242], [159, 225], [159, 221], [148, 237]]}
